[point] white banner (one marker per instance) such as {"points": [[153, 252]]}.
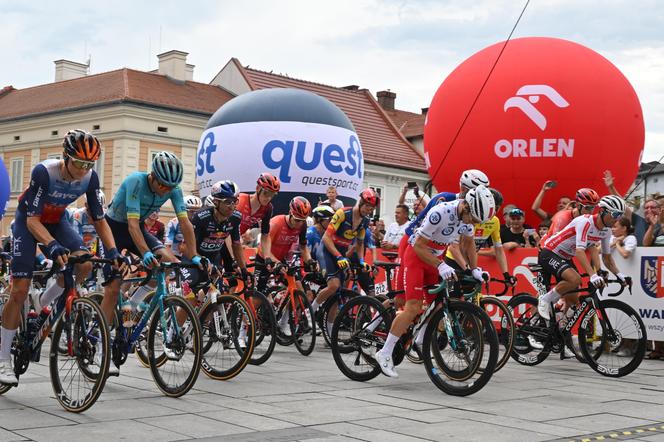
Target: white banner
{"points": [[306, 157], [645, 266]]}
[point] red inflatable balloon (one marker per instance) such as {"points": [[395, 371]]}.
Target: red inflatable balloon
{"points": [[551, 110]]}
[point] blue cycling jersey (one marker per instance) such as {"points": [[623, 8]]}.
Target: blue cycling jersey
{"points": [[439, 198], [313, 238], [135, 199], [49, 194]]}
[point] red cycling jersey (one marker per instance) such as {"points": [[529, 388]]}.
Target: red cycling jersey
{"points": [[249, 220], [581, 233], [559, 221], [284, 237]]}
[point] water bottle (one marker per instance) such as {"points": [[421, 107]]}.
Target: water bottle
{"points": [[127, 314]]}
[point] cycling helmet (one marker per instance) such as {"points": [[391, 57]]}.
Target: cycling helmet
{"points": [[209, 201], [587, 197], [167, 168], [300, 207], [323, 212], [497, 197], [612, 203], [370, 197], [269, 182], [81, 145], [472, 178], [224, 189], [482, 205], [192, 202]]}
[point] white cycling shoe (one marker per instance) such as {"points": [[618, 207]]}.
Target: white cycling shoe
{"points": [[534, 343], [544, 309], [7, 375], [386, 364]]}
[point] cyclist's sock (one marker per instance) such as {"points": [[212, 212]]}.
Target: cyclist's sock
{"points": [[140, 294], [419, 339], [6, 338], [390, 342], [329, 328], [314, 306], [376, 320], [52, 291], [551, 296], [284, 318]]}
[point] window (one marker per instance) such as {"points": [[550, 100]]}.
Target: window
{"points": [[96, 127], [17, 174], [54, 133], [163, 129], [17, 138], [54, 156], [379, 191], [99, 168]]}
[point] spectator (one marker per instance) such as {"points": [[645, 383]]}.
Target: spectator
{"points": [[639, 223], [543, 228], [378, 231], [563, 202], [420, 202], [155, 227], [518, 234], [623, 242], [332, 200], [250, 238], [654, 234], [397, 229], [506, 214]]}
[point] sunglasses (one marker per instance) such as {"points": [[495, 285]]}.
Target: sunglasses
{"points": [[615, 214], [227, 201], [80, 164], [301, 220]]}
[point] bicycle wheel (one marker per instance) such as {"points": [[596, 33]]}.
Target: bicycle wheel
{"points": [[504, 324], [225, 325], [266, 326], [302, 324], [454, 349], [141, 349], [78, 376], [180, 344], [532, 336], [359, 331], [618, 324], [330, 309]]}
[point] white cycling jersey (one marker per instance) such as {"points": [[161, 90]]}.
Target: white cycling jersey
{"points": [[442, 227], [580, 233]]}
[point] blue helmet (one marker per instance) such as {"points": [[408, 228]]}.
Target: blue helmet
{"points": [[224, 189], [167, 168]]}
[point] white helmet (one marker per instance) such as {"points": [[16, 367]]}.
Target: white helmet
{"points": [[612, 203], [209, 201], [472, 178], [192, 202], [481, 202]]}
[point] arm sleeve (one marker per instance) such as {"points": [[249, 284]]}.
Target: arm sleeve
{"points": [[303, 236], [430, 224], [92, 196], [235, 232], [582, 234], [337, 220], [36, 192], [133, 197], [265, 221], [178, 202]]}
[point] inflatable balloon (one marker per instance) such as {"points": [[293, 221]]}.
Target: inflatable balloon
{"points": [[298, 136], [4, 189], [550, 110]]}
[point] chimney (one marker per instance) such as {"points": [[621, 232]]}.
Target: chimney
{"points": [[67, 70], [174, 64], [386, 99], [425, 110]]}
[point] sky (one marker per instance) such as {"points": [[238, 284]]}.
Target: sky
{"points": [[408, 47]]}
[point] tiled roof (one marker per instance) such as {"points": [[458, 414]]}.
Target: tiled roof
{"points": [[410, 124], [122, 85], [382, 143]]}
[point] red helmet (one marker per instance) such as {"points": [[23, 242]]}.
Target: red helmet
{"points": [[81, 145], [300, 207], [587, 197], [269, 182], [370, 197]]}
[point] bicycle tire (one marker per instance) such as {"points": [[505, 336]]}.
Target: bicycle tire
{"points": [[140, 347], [88, 336], [303, 324], [478, 324], [183, 345], [638, 334], [526, 322], [505, 332], [344, 295], [221, 323], [354, 348], [266, 327]]}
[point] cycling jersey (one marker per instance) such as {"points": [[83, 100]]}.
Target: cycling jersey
{"points": [[313, 238], [559, 221], [48, 194], [341, 229], [249, 220], [489, 230], [85, 228], [442, 227], [285, 237], [174, 236], [419, 219], [157, 229], [135, 199], [581, 233], [211, 235]]}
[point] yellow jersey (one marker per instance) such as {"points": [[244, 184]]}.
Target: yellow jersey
{"points": [[484, 231]]}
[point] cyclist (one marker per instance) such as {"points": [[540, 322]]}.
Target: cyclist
{"points": [[155, 227], [582, 233], [585, 202], [54, 184], [348, 224], [82, 220], [444, 225], [139, 195], [322, 216], [174, 237]]}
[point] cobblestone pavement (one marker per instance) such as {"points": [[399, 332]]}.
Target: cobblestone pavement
{"points": [[293, 397]]}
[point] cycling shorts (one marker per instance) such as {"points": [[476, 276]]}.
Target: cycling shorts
{"points": [[123, 241], [403, 244], [416, 275], [553, 264], [24, 244]]}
